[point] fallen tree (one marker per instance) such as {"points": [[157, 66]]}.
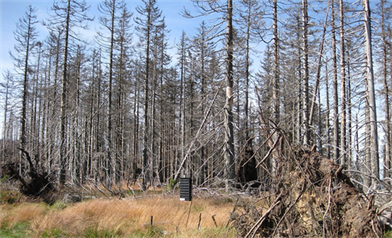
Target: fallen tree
{"points": [[311, 197]]}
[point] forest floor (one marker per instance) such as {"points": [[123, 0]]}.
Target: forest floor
{"points": [[126, 217], [310, 196]]}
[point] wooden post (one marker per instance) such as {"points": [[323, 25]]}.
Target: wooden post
{"points": [[213, 218], [189, 213], [198, 224]]}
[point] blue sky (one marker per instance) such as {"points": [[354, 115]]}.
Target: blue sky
{"points": [[12, 10]]}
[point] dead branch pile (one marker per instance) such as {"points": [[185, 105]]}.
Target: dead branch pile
{"points": [[311, 197]]}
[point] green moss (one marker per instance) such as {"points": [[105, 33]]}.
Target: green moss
{"points": [[20, 229]]}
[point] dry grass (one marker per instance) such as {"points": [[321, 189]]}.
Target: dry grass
{"points": [[25, 212], [123, 218]]}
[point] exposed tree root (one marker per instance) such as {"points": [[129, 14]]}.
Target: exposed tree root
{"points": [[312, 197], [37, 184]]}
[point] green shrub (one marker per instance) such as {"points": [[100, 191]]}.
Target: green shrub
{"points": [[388, 234], [171, 185]]}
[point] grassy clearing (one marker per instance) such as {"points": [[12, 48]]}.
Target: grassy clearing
{"points": [[118, 218]]}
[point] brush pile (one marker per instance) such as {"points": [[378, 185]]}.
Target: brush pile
{"points": [[311, 197]]}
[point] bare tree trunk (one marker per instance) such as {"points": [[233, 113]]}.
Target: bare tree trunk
{"points": [[23, 132], [229, 132], [276, 81], [152, 122], [387, 157], [319, 123], [343, 134], [318, 70], [317, 89], [335, 88], [63, 117], [182, 97], [8, 78], [25, 37], [374, 151], [77, 157], [203, 148], [300, 98], [306, 71], [367, 170], [136, 130], [146, 91], [98, 131], [327, 124], [53, 123], [109, 136], [161, 156], [349, 115], [35, 108]]}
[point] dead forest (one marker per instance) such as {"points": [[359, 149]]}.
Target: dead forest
{"points": [[284, 103]]}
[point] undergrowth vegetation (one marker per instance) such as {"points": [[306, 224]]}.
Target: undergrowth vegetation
{"points": [[118, 218]]}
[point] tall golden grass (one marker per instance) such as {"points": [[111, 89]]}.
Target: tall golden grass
{"points": [[123, 218]]}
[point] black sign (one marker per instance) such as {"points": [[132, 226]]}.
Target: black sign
{"points": [[186, 189]]}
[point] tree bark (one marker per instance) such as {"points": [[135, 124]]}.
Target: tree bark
{"points": [[229, 131], [306, 71]]}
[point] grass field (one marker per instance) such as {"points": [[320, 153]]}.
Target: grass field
{"points": [[119, 218]]}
